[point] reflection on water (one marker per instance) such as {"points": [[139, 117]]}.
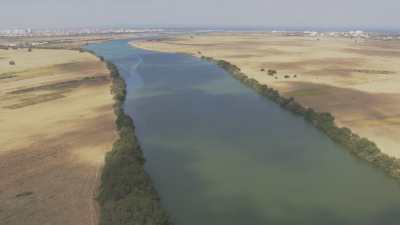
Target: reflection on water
{"points": [[220, 154]]}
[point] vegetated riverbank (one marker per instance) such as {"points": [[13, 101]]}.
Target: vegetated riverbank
{"points": [[358, 146], [127, 194]]}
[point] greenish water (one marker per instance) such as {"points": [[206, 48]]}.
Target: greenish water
{"points": [[220, 154]]}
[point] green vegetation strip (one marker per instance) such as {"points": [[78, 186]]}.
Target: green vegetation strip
{"points": [[127, 195], [358, 146]]}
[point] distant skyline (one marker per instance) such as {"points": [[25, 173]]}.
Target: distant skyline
{"points": [[361, 14]]}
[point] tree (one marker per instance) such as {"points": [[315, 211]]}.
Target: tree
{"points": [[271, 72], [12, 63]]}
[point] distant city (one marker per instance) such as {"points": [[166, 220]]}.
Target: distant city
{"points": [[30, 32]]}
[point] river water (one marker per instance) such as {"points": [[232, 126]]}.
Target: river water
{"points": [[220, 154]]}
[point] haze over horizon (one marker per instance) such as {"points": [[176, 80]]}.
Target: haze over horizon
{"points": [[264, 13]]}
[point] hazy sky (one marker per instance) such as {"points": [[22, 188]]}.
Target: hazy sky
{"points": [[268, 13]]}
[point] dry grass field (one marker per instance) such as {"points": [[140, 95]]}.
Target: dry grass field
{"points": [[65, 42], [57, 123], [358, 81]]}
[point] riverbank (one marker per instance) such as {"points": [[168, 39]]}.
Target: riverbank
{"points": [[358, 146], [57, 123], [355, 80], [127, 194]]}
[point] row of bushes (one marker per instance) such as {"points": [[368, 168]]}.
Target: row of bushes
{"points": [[358, 146], [127, 194]]}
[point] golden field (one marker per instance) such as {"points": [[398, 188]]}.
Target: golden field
{"points": [[357, 80], [57, 123], [62, 42]]}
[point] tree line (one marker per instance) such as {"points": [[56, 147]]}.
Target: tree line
{"points": [[127, 195]]}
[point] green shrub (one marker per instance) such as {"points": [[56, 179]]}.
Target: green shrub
{"points": [[272, 72]]}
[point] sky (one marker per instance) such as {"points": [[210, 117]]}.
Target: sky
{"points": [[376, 14]]}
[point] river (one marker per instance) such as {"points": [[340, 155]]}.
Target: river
{"points": [[220, 154]]}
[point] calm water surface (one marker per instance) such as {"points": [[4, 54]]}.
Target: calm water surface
{"points": [[220, 154]]}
